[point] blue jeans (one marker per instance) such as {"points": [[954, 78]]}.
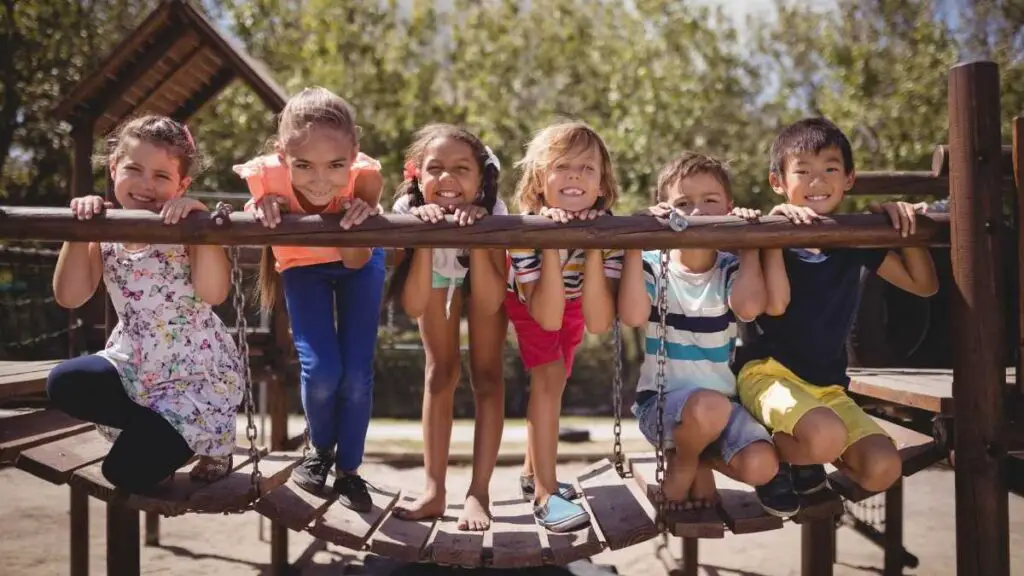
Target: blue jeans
{"points": [[334, 313], [741, 431]]}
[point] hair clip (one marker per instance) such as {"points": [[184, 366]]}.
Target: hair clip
{"points": [[188, 135], [492, 159], [410, 172]]}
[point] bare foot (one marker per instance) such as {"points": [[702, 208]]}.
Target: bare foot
{"points": [[429, 505], [678, 479], [475, 516], [703, 492]]}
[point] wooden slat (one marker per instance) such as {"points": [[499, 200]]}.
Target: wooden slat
{"points": [[623, 520], [453, 547], [705, 523], [23, 384], [819, 506], [742, 512], [928, 389], [350, 529], [13, 367], [24, 431], [917, 451], [171, 498], [90, 479], [291, 506], [57, 461], [578, 545], [514, 540], [234, 489], [400, 539]]}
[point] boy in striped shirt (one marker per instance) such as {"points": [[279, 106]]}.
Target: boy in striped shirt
{"points": [[704, 424]]}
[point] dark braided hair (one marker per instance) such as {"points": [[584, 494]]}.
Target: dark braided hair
{"points": [[486, 196]]}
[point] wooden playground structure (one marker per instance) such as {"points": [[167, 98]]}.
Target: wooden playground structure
{"points": [[177, 60], [972, 169]]}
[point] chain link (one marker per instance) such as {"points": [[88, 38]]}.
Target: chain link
{"points": [[617, 399], [659, 450], [220, 216]]}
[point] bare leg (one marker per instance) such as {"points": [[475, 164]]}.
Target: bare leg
{"points": [[547, 382], [704, 416], [872, 462], [441, 343], [703, 492], [487, 335], [818, 438], [756, 464]]}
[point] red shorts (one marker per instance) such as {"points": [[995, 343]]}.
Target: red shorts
{"points": [[538, 346]]}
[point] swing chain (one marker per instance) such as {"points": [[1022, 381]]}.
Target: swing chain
{"points": [[242, 333], [659, 450], [617, 400]]}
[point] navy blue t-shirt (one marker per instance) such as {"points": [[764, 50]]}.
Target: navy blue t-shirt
{"points": [[810, 338]]}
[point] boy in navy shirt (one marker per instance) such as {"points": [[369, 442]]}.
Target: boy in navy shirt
{"points": [[792, 365]]}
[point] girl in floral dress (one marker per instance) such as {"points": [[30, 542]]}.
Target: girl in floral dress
{"points": [[169, 380]]}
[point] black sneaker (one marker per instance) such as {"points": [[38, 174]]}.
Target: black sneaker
{"points": [[809, 479], [777, 496], [311, 473], [528, 489], [352, 492]]}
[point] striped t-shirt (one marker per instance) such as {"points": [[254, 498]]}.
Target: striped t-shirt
{"points": [[700, 328], [524, 268]]}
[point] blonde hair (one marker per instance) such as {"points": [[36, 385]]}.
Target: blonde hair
{"points": [[551, 145]]}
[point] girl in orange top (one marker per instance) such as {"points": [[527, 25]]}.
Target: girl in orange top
{"points": [[333, 294]]}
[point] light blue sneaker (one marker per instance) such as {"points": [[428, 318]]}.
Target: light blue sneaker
{"points": [[560, 515], [528, 489]]}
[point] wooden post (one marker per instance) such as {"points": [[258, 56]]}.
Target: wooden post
{"points": [[278, 407], [279, 550], [817, 547], [152, 529], [79, 531], [979, 376], [122, 540], [894, 530], [1018, 178], [691, 550]]}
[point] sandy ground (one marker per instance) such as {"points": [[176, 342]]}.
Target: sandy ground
{"points": [[34, 539]]}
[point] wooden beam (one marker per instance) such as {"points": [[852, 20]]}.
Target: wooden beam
{"points": [[81, 165], [144, 104], [977, 302], [940, 161], [898, 183], [400, 231], [1018, 176], [208, 92]]}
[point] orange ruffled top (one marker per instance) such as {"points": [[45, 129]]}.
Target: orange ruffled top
{"points": [[268, 175]]}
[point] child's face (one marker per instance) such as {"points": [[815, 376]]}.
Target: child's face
{"points": [[449, 174], [700, 195], [146, 176], [816, 180], [573, 182], [319, 162]]}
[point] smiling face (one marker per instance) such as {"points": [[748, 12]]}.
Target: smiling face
{"points": [[573, 181], [817, 180], [450, 173], [146, 175], [319, 162], [700, 195]]}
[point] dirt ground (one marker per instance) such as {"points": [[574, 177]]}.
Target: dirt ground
{"points": [[34, 537]]}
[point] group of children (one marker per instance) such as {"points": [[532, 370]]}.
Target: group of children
{"points": [[769, 412]]}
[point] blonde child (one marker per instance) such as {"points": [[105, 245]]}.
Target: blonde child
{"points": [[333, 295], [169, 379], [449, 170], [706, 293], [553, 294]]}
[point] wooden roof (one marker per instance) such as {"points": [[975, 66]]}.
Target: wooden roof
{"points": [[173, 63]]}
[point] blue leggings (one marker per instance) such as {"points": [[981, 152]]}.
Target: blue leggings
{"points": [[334, 313]]}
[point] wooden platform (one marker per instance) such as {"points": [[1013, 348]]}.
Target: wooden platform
{"points": [[24, 378], [928, 389]]}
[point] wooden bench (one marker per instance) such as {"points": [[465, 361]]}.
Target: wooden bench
{"points": [[19, 378]]}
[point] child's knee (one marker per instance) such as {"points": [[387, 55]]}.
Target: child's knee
{"points": [[756, 464], [548, 379], [442, 374], [357, 386], [822, 435], [323, 376], [59, 384], [880, 469], [707, 413], [488, 381]]}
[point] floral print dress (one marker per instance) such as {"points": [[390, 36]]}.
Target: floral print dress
{"points": [[174, 355]]}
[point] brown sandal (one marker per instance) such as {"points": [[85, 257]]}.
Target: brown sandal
{"points": [[211, 468]]}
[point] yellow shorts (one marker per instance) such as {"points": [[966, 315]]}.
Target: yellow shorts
{"points": [[778, 398]]}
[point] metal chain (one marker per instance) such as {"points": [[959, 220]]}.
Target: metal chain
{"points": [[659, 450], [617, 399], [242, 333]]}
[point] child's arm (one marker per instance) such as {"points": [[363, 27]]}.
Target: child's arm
{"points": [[545, 295], [598, 299], [776, 282], [634, 300], [366, 196], [416, 292], [79, 266], [211, 270], [747, 296], [486, 273], [911, 269]]}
